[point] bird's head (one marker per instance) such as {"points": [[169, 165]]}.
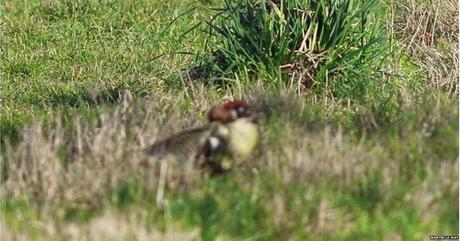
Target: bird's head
{"points": [[229, 111]]}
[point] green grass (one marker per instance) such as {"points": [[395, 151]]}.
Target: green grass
{"points": [[334, 45], [60, 55], [335, 162]]}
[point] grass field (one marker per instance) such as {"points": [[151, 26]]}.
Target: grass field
{"points": [[362, 147]]}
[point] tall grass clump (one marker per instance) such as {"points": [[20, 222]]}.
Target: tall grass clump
{"points": [[335, 46]]}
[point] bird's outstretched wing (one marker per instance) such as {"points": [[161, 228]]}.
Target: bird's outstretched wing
{"points": [[184, 144]]}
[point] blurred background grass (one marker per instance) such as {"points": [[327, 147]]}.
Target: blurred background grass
{"points": [[361, 142]]}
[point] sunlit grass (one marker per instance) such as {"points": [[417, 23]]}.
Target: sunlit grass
{"points": [[86, 86]]}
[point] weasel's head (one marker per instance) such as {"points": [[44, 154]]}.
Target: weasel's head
{"points": [[229, 111]]}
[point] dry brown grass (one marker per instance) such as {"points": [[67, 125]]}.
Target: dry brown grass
{"points": [[83, 164], [429, 32], [108, 226], [303, 180], [86, 160]]}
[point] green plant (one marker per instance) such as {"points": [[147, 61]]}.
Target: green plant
{"points": [[311, 42], [385, 168]]}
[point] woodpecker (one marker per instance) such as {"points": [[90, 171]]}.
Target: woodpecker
{"points": [[227, 140]]}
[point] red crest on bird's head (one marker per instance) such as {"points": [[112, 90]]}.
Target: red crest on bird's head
{"points": [[229, 111]]}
